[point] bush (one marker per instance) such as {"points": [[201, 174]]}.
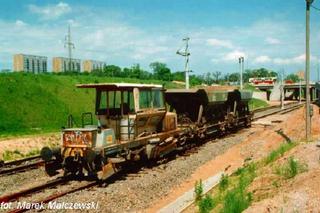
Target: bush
{"points": [[206, 204], [291, 168], [224, 182], [279, 152], [198, 190], [236, 200]]}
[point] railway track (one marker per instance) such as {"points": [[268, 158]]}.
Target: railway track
{"points": [[16, 162], [61, 181], [21, 165], [57, 195], [264, 112], [16, 196]]}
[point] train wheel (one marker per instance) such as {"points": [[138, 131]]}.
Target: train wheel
{"points": [[51, 168], [71, 167]]}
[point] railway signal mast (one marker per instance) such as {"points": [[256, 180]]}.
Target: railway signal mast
{"points": [[68, 44], [185, 54]]}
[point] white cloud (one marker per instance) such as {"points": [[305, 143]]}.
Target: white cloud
{"points": [[50, 11], [20, 23], [271, 40], [219, 43], [101, 36], [300, 59], [262, 59], [234, 55], [282, 61]]}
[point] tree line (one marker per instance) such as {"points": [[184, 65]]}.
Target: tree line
{"points": [[160, 71]]}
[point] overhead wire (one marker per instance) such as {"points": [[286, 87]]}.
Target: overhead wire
{"points": [[316, 8]]}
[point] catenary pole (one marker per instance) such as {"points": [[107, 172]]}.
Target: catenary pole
{"points": [[307, 74]]}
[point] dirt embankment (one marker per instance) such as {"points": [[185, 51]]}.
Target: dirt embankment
{"points": [[25, 145], [266, 136], [273, 193]]}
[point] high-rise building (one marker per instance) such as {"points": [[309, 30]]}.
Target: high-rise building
{"points": [[90, 65], [29, 63], [61, 64]]}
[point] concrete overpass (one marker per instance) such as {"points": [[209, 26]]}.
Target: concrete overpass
{"points": [[286, 86], [293, 88]]}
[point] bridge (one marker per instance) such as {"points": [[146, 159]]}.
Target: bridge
{"points": [[294, 88]]}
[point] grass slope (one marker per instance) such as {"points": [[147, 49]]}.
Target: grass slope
{"points": [[255, 103], [41, 103]]}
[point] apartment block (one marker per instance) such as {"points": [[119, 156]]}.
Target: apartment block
{"points": [[90, 65], [61, 64], [29, 63]]}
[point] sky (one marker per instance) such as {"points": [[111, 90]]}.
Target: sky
{"points": [[268, 34]]}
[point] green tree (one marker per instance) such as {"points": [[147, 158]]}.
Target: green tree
{"points": [[273, 74], [234, 77], [208, 79], [126, 72], [112, 70], [293, 77], [161, 71], [195, 80], [216, 76], [178, 76], [258, 73], [135, 71]]}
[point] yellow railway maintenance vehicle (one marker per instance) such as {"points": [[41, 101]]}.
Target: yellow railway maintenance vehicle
{"points": [[133, 124]]}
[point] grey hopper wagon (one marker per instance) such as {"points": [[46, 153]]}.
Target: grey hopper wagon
{"points": [[216, 109]]}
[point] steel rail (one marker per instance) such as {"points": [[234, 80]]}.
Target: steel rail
{"points": [[19, 161], [58, 195], [273, 107], [15, 196], [276, 111], [21, 168]]}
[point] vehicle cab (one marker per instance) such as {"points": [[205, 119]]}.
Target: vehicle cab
{"points": [[126, 112]]}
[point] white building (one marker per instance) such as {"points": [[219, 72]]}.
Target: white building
{"points": [[29, 63], [90, 65], [61, 64]]}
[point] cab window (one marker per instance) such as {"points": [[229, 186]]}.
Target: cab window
{"points": [[157, 99], [103, 101], [145, 98], [151, 99], [111, 100]]}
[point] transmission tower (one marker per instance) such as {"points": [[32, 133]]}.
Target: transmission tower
{"points": [[185, 53], [68, 44]]}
